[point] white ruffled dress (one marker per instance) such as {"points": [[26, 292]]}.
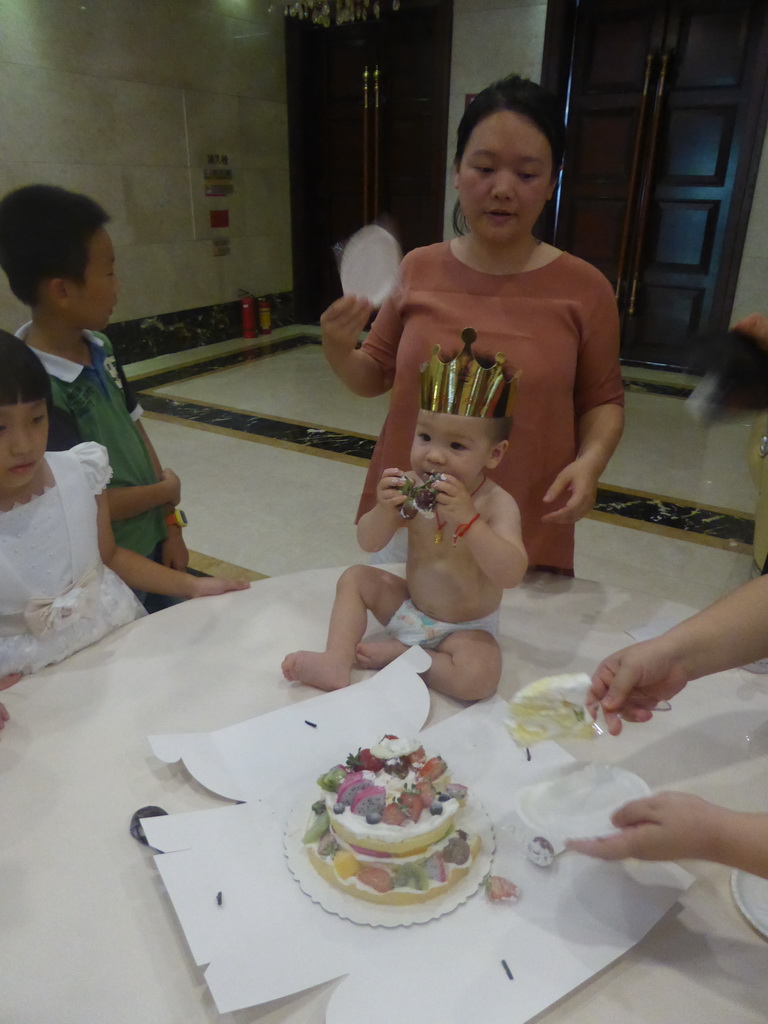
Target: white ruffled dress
{"points": [[56, 594]]}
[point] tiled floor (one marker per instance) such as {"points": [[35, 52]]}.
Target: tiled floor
{"points": [[271, 450]]}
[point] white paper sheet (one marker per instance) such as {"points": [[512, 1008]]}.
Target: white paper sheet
{"points": [[267, 939], [282, 747]]}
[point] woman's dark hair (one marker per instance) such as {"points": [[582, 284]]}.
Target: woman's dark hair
{"points": [[520, 96], [22, 375], [45, 232]]}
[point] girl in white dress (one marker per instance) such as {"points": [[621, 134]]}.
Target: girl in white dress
{"points": [[63, 581]]}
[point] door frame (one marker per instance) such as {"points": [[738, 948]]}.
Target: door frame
{"points": [[307, 143], [555, 76]]}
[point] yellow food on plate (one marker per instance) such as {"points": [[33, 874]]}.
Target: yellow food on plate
{"points": [[552, 708]]}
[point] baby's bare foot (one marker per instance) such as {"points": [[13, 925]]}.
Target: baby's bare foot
{"points": [[378, 653], [323, 669]]}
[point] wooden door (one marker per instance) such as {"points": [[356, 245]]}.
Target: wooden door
{"points": [[665, 128], [368, 110]]}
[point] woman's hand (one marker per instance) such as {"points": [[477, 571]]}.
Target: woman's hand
{"points": [[342, 324], [756, 326], [630, 683], [577, 482], [666, 826]]}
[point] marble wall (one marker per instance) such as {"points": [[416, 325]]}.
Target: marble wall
{"points": [[125, 100]]}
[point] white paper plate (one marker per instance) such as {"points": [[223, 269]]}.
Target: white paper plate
{"points": [[577, 801], [370, 264], [473, 818], [750, 894]]}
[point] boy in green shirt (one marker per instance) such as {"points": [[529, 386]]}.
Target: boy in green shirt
{"points": [[59, 259]]}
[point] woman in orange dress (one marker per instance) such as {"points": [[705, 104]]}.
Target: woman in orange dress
{"points": [[552, 315]]}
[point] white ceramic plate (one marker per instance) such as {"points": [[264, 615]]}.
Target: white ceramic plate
{"points": [[577, 801], [750, 894], [370, 264], [472, 817]]}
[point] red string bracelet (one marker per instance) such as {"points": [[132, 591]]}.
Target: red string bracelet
{"points": [[463, 528]]}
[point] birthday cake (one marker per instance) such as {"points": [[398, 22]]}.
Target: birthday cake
{"points": [[386, 826]]}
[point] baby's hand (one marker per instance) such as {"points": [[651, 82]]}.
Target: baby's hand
{"points": [[210, 586], [388, 492], [454, 500]]}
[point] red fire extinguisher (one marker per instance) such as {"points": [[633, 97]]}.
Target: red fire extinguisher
{"points": [[248, 314]]}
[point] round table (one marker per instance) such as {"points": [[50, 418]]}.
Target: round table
{"points": [[87, 933]]}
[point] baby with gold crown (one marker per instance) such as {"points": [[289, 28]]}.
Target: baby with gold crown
{"points": [[461, 555]]}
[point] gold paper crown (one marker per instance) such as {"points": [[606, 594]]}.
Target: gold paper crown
{"points": [[464, 387]]}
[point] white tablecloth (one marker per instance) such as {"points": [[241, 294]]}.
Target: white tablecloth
{"points": [[87, 934]]}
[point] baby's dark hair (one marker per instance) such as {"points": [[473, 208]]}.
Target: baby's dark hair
{"points": [[45, 232], [499, 428], [22, 375], [520, 96]]}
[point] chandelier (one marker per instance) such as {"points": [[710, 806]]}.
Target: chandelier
{"points": [[338, 12]]}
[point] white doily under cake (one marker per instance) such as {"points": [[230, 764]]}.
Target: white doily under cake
{"points": [[471, 818]]}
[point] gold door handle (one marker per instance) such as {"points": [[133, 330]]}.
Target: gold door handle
{"points": [[365, 144], [375, 142], [647, 184], [626, 227]]}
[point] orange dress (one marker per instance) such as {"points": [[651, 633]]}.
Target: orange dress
{"points": [[559, 325]]}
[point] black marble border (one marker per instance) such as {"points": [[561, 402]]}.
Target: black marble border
{"points": [[150, 336], [198, 369], [652, 387], [261, 426], [675, 515]]}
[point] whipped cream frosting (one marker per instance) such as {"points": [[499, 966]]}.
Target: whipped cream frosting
{"points": [[552, 707]]}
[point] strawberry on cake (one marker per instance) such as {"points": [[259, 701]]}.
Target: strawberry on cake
{"points": [[386, 825]]}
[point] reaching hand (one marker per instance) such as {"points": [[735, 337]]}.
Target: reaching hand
{"points": [[631, 682], [665, 826], [577, 481], [210, 586], [756, 326]]}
